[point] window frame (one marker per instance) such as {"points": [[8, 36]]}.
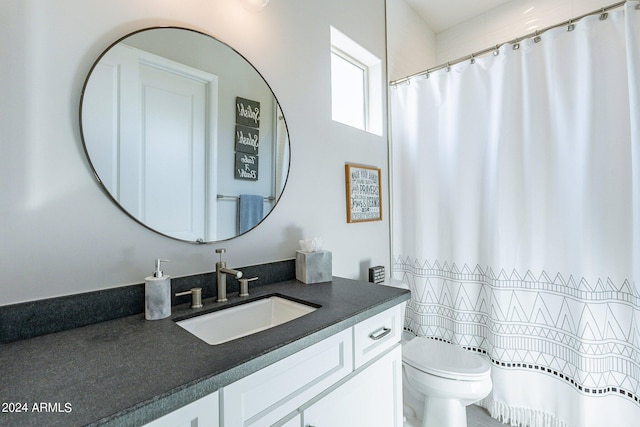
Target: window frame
{"points": [[373, 91], [365, 81]]}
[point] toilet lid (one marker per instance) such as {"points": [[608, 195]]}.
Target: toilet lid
{"points": [[444, 360]]}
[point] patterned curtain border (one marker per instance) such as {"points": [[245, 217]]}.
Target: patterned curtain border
{"points": [[582, 333]]}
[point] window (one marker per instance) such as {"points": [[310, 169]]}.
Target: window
{"points": [[356, 77], [348, 90]]}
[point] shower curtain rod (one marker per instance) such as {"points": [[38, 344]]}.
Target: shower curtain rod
{"points": [[515, 42]]}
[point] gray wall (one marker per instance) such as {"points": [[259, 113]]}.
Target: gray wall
{"points": [[61, 235]]}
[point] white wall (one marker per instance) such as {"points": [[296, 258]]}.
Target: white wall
{"points": [[61, 235], [413, 47], [504, 23], [411, 44]]}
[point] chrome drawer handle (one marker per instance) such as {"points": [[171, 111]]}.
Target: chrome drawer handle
{"points": [[380, 333]]}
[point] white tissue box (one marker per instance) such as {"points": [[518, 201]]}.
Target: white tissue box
{"points": [[313, 267]]}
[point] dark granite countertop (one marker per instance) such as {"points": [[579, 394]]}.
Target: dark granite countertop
{"points": [[130, 371]]}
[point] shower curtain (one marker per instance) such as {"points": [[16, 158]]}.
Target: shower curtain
{"points": [[516, 218]]}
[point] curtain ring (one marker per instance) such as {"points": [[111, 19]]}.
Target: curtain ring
{"points": [[516, 45], [448, 67], [537, 38], [571, 25], [496, 52], [473, 59], [604, 15]]}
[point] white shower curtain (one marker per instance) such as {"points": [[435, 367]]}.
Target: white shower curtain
{"points": [[516, 219]]}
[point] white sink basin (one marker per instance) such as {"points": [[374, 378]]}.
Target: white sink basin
{"points": [[245, 319]]}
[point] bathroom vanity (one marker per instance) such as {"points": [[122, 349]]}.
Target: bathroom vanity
{"points": [[338, 365]]}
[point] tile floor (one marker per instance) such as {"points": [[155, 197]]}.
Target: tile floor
{"points": [[479, 417], [476, 417]]}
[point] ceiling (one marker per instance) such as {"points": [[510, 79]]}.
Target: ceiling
{"points": [[443, 14]]}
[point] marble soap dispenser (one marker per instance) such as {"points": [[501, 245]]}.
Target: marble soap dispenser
{"points": [[157, 294]]}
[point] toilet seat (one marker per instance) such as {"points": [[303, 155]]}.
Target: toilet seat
{"points": [[445, 360]]}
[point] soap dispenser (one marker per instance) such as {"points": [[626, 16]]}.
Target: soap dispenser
{"points": [[157, 294]]}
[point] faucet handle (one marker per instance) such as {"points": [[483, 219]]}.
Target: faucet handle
{"points": [[221, 251], [196, 296], [244, 286]]}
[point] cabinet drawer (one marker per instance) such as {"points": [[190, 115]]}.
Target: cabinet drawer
{"points": [[373, 336], [268, 395], [202, 412]]}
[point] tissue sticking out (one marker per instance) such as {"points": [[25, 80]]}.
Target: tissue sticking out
{"points": [[312, 245]]}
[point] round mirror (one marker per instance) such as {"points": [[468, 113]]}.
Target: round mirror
{"points": [[184, 134]]}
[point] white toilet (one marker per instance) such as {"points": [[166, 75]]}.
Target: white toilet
{"points": [[439, 380]]}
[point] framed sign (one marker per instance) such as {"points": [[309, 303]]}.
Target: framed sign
{"points": [[247, 139], [247, 112], [364, 197], [246, 166]]}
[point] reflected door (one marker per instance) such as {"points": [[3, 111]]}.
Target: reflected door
{"points": [[155, 139], [172, 167]]}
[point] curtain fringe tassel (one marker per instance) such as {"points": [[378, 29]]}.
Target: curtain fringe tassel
{"points": [[519, 417]]}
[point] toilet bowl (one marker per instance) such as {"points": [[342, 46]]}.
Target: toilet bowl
{"points": [[439, 380]]}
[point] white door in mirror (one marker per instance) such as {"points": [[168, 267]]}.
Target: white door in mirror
{"points": [[173, 140], [149, 143]]}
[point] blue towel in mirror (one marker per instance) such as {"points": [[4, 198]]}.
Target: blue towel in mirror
{"points": [[250, 211]]}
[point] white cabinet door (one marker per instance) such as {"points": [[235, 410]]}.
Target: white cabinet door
{"points": [[293, 422], [372, 398], [270, 394], [204, 412]]}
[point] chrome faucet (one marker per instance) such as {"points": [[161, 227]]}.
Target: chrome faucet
{"points": [[221, 276]]}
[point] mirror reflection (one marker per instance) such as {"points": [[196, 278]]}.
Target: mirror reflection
{"points": [[184, 134]]}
